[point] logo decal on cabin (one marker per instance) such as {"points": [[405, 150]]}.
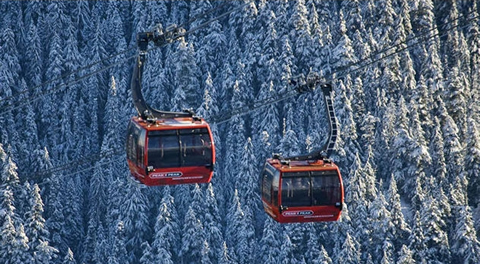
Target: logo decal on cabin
{"points": [[165, 174], [297, 213]]}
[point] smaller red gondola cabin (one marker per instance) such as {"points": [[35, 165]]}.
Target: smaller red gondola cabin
{"points": [[302, 191], [305, 188], [171, 151]]}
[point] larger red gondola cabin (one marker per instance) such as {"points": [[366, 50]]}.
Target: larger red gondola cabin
{"points": [[170, 151]]}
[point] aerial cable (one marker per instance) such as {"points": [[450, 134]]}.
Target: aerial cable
{"points": [[422, 34], [37, 97], [87, 159], [80, 161], [183, 25], [216, 18], [186, 33], [58, 87], [180, 32], [63, 76], [220, 119], [96, 166], [407, 47]]}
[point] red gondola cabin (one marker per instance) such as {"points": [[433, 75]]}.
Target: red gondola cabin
{"points": [[302, 191], [170, 151]]}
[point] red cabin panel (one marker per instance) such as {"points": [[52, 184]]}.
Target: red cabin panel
{"points": [[168, 152], [302, 191]]}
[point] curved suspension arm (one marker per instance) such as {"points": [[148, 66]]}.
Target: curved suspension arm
{"points": [[144, 110], [327, 149]]}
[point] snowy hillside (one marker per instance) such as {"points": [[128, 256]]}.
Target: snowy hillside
{"points": [[406, 78]]}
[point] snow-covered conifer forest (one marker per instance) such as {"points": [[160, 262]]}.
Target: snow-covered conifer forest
{"points": [[406, 77]]}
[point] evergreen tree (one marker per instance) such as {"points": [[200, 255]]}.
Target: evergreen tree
{"points": [[349, 252], [472, 41], [466, 247], [186, 79], [136, 225], [384, 138], [452, 146], [102, 181], [209, 107], [212, 224], [211, 50], [236, 234], [9, 86], [267, 121], [412, 151], [435, 238], [119, 251], [166, 230], [69, 259], [44, 253], [423, 100], [286, 251], [401, 229], [456, 95], [454, 50], [472, 162], [56, 19], [36, 230], [438, 168], [316, 253], [382, 231], [193, 238], [405, 256], [248, 189], [270, 242], [13, 242], [300, 36], [343, 54], [428, 63], [234, 140], [147, 255], [417, 240], [356, 198]]}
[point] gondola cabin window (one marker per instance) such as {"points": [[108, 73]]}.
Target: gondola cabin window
{"points": [[310, 188], [196, 148], [270, 184], [325, 188], [179, 148], [296, 190], [135, 144]]}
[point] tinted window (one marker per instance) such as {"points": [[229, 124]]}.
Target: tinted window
{"points": [[133, 133], [267, 179], [270, 180], [141, 148], [296, 190], [196, 147], [163, 149], [179, 148], [310, 188], [325, 188]]}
